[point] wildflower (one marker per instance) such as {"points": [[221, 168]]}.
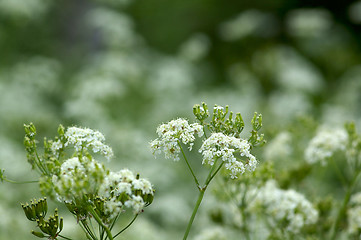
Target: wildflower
{"points": [[285, 206], [85, 139], [172, 133], [77, 177], [225, 147], [121, 189], [325, 144]]}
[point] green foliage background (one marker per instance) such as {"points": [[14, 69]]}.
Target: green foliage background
{"points": [[123, 67]]}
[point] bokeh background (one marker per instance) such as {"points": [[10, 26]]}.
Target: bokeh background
{"points": [[125, 66]]}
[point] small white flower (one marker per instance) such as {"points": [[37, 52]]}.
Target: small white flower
{"points": [[56, 146], [77, 177], [287, 205], [225, 147], [144, 185], [124, 187], [325, 144], [85, 138], [113, 207], [171, 134], [136, 202]]}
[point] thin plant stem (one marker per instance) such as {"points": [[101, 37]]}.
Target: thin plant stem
{"points": [[64, 237], [200, 196], [189, 166], [99, 221], [87, 231], [204, 132], [209, 177], [113, 223], [101, 232], [198, 203], [15, 182], [214, 174], [126, 227], [343, 208]]}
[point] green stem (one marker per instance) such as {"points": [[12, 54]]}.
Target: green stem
{"points": [[99, 221], [200, 197], [189, 166], [87, 231], [135, 217], [343, 208], [204, 132], [15, 182], [214, 174], [40, 164], [64, 237]]}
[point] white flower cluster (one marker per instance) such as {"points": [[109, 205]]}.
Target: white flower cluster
{"points": [[85, 138], [286, 205], [225, 147], [172, 133], [77, 177], [124, 189], [325, 144], [354, 214]]}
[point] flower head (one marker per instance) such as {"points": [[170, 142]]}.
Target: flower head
{"points": [[325, 144], [226, 147], [85, 139], [123, 189], [286, 206], [78, 177], [171, 134]]}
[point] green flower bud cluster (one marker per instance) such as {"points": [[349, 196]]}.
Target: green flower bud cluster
{"points": [[30, 144], [225, 122], [255, 139], [36, 211]]}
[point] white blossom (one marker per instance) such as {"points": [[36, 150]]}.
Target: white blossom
{"points": [[172, 133], [85, 138], [120, 190], [77, 177], [136, 203], [325, 144], [225, 147], [285, 205]]}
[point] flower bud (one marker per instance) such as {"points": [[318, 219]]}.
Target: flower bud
{"points": [[38, 234], [36, 210], [61, 130]]}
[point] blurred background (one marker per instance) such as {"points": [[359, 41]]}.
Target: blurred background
{"points": [[125, 66]]}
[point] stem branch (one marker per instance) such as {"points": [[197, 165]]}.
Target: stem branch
{"points": [[135, 217], [189, 166]]}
